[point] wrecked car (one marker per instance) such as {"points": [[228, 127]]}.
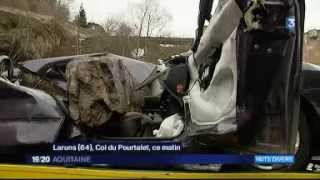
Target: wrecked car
{"points": [[239, 88]]}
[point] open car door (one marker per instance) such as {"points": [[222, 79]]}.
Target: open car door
{"points": [[246, 73]]}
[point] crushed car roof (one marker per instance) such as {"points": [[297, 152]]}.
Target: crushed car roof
{"points": [[36, 65], [140, 69]]}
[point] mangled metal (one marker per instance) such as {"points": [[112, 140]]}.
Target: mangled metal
{"points": [[243, 72], [28, 116], [48, 85], [94, 87], [224, 22]]}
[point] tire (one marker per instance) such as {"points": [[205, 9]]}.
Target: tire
{"points": [[303, 149]]}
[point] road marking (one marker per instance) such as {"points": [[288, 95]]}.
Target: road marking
{"points": [[45, 172]]}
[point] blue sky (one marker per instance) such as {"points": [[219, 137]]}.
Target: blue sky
{"points": [[184, 13]]}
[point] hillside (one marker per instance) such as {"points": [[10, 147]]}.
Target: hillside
{"points": [[27, 35]]}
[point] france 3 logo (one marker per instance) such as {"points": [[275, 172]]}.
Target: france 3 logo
{"points": [[291, 23]]}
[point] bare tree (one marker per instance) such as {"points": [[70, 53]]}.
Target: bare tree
{"points": [[140, 11], [157, 19], [120, 33], [124, 32], [148, 18], [63, 9], [111, 25]]}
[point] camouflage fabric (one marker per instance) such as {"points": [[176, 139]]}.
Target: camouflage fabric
{"points": [[100, 87], [251, 18]]}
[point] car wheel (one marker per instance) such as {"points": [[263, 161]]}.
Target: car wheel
{"points": [[302, 149]]}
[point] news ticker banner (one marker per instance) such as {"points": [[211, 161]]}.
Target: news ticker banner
{"points": [[142, 154]]}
